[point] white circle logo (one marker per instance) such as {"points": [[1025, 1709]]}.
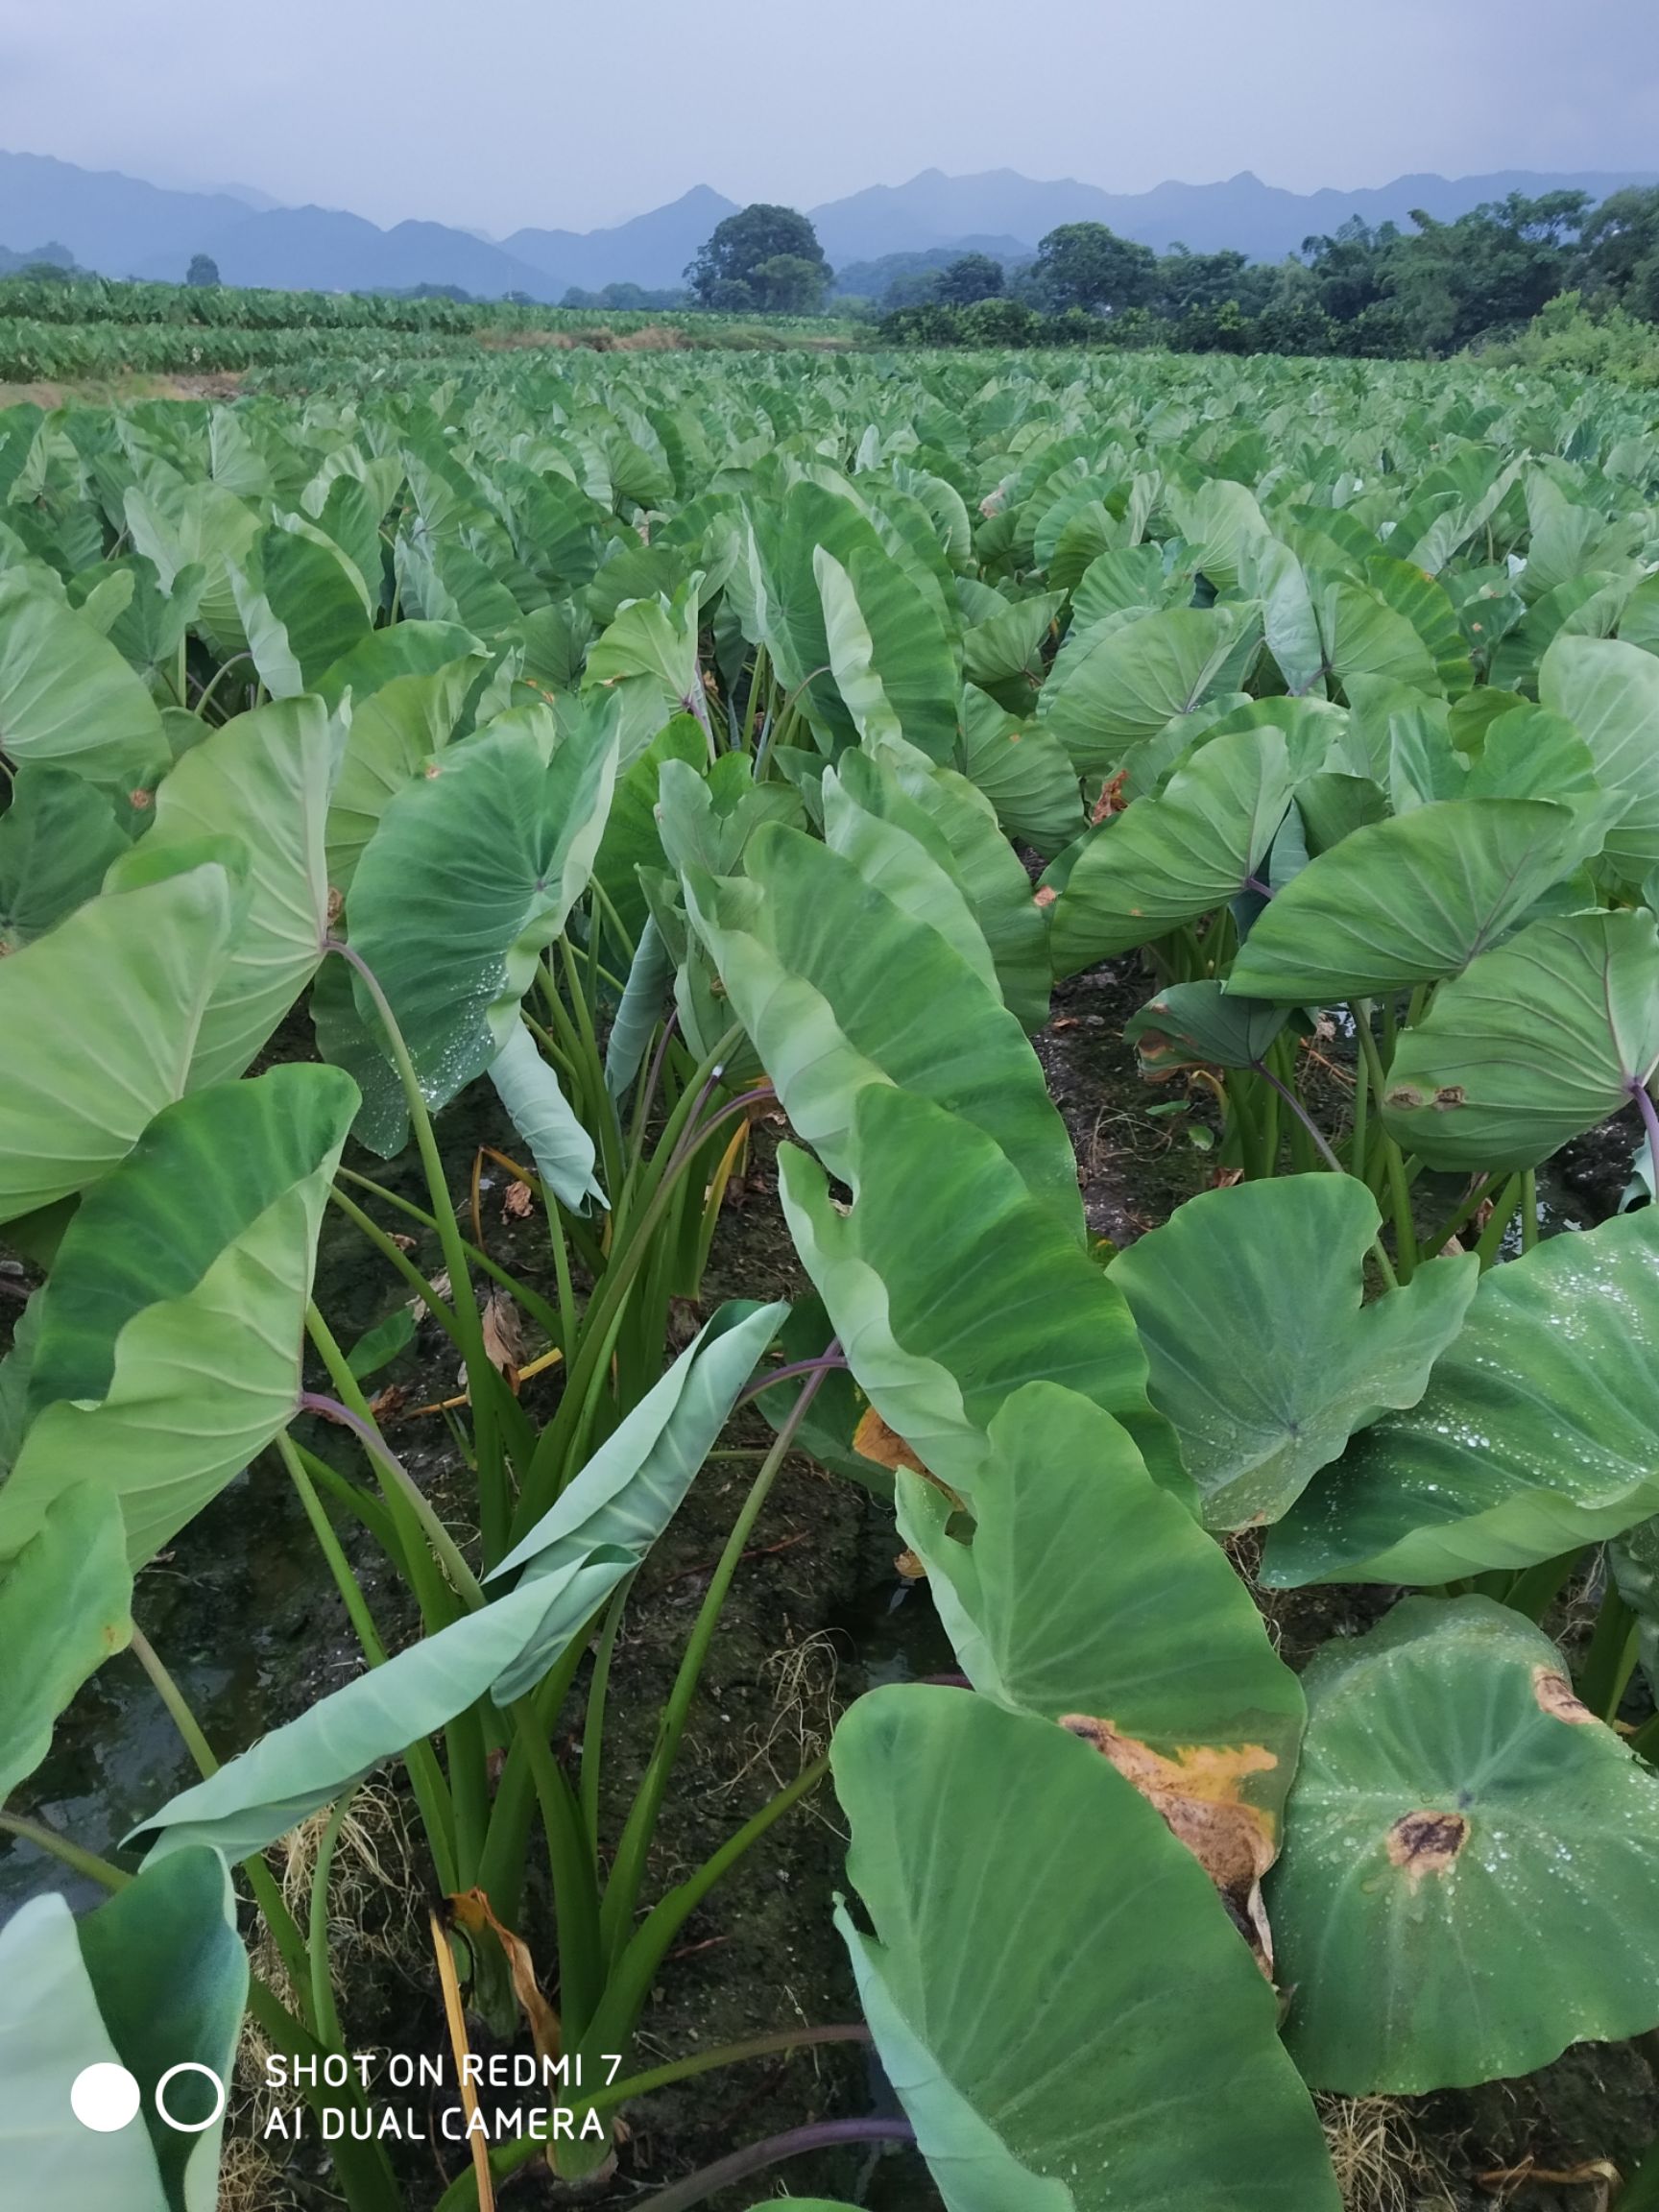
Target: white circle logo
{"points": [[104, 2098], [189, 2126]]}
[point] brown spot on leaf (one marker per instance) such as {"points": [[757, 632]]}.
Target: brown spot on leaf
{"points": [[141, 800], [1426, 1843], [1199, 1795], [336, 904], [873, 1439], [1448, 1096], [1405, 1097], [1046, 896], [1554, 1694]]}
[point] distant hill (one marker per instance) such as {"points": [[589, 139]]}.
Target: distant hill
{"points": [[652, 250], [51, 255], [322, 250], [122, 226], [1260, 220]]}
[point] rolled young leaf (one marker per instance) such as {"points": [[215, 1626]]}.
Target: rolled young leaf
{"points": [[560, 1147]]}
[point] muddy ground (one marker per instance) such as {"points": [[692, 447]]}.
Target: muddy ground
{"points": [[818, 1613]]}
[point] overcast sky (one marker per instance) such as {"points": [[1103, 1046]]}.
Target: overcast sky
{"points": [[494, 113]]}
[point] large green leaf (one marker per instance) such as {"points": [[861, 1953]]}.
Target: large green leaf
{"points": [[890, 656], [1407, 901], [1023, 770], [263, 780], [570, 1563], [1249, 1301], [119, 990], [949, 1287], [841, 988], [169, 1977], [1609, 691], [471, 873], [1145, 2069], [633, 840], [169, 1340], [1469, 1861], [394, 733], [57, 838], [1535, 1437], [1090, 1595], [1543, 1038], [67, 694], [303, 607], [1171, 859], [1113, 687], [944, 812], [66, 1606]]}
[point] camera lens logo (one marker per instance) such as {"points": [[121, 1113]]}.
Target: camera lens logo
{"points": [[105, 2099]]}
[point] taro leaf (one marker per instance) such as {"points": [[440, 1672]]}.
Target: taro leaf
{"points": [[1090, 1595], [168, 1351], [944, 812], [137, 968], [1198, 1025], [57, 838], [888, 651], [300, 608], [394, 731], [154, 1977], [472, 872], [66, 1606], [288, 1774], [939, 1202], [170, 1976], [1249, 1301], [840, 988], [1002, 655], [1609, 691], [344, 1040], [1273, 575], [633, 840], [1363, 635], [1407, 901], [1470, 1859], [1146, 2069], [67, 693], [263, 779], [1538, 1040], [1536, 1435], [1171, 858], [898, 850], [572, 1560], [1115, 687], [539, 1109], [51, 2030], [379, 1346], [406, 649], [643, 1003], [1024, 771], [656, 638]]}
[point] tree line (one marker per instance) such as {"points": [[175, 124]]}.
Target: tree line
{"points": [[1363, 291]]}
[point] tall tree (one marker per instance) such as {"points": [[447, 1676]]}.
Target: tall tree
{"points": [[764, 258], [1085, 265], [203, 270], [971, 276]]}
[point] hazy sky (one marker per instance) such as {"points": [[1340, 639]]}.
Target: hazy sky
{"points": [[492, 113]]}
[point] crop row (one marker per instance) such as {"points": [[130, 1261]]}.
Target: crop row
{"points": [[658, 748]]}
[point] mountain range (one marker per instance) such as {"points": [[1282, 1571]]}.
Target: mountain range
{"points": [[122, 226]]}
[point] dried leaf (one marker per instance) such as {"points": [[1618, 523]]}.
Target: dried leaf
{"points": [[874, 1440], [517, 1202], [503, 1337], [470, 1911], [1199, 1795]]}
